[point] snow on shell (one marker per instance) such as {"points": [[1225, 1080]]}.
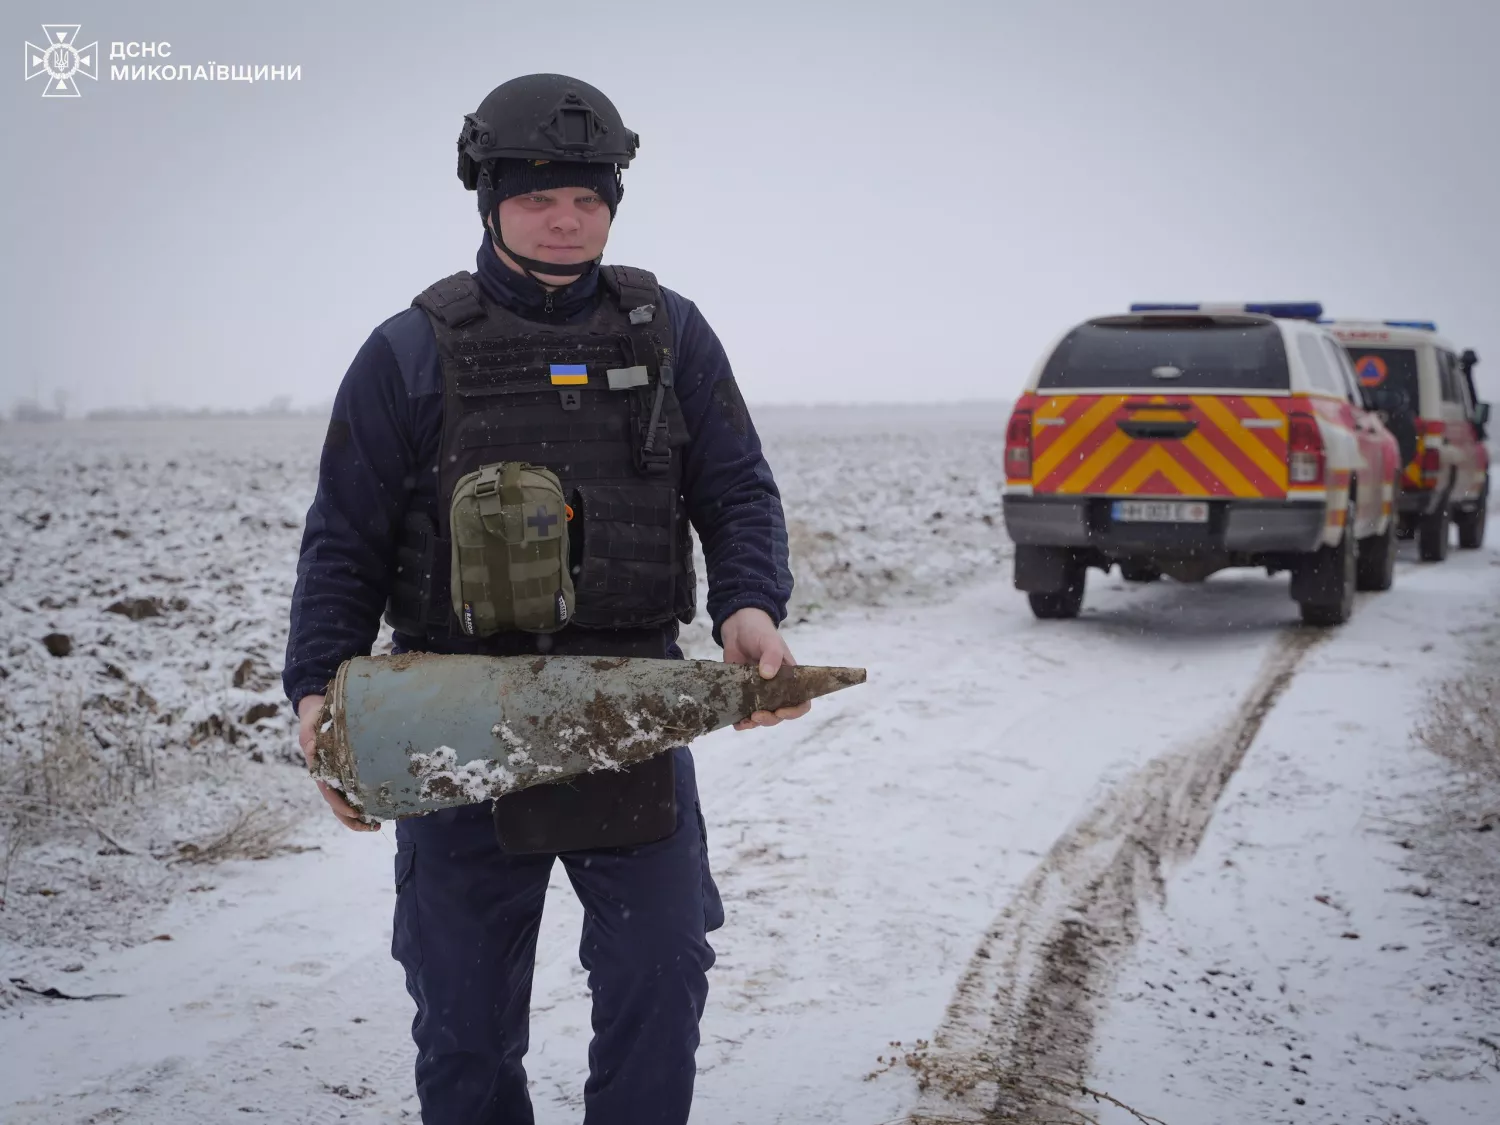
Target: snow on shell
{"points": [[479, 779]]}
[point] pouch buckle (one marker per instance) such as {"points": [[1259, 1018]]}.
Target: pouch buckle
{"points": [[653, 457], [653, 454]]}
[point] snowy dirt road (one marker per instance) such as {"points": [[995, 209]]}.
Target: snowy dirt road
{"points": [[864, 853], [995, 855]]}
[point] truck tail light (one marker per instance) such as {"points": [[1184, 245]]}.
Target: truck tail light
{"points": [[1305, 459], [1018, 446], [1432, 466]]}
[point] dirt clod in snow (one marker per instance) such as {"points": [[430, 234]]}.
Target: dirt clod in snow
{"points": [[137, 609], [260, 711]]}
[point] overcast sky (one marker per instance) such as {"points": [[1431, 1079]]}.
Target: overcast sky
{"points": [[868, 201]]}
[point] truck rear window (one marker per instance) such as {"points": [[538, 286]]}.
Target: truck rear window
{"points": [[1389, 377], [1188, 353]]}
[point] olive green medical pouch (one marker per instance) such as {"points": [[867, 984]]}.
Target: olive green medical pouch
{"points": [[509, 528]]}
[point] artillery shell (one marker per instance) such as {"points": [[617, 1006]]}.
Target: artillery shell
{"points": [[408, 734]]}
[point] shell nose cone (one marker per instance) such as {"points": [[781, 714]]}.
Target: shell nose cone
{"points": [[799, 683], [825, 681]]}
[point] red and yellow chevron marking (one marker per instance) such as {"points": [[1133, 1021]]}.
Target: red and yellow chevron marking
{"points": [[1078, 447], [1411, 477]]}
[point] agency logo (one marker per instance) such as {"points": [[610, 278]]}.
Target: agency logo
{"points": [[1372, 370], [61, 61]]}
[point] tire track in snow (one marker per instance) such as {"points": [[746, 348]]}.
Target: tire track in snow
{"points": [[1020, 1026]]}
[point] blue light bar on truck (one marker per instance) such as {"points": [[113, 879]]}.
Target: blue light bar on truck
{"points": [[1292, 310]]}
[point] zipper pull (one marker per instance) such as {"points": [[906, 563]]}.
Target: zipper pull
{"points": [[548, 306]]}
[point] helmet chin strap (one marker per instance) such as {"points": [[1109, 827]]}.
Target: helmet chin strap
{"points": [[533, 266]]}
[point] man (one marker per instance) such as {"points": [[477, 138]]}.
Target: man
{"points": [[622, 390]]}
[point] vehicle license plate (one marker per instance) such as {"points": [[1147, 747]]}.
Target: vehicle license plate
{"points": [[1160, 511]]}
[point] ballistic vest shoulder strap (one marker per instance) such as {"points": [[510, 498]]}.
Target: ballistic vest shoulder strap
{"points": [[454, 300], [632, 289]]}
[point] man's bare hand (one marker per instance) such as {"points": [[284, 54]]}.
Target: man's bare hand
{"points": [[307, 718], [751, 637]]}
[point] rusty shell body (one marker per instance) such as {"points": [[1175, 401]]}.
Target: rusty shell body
{"points": [[410, 734]]}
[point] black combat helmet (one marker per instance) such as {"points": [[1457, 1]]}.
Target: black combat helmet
{"points": [[543, 117], [543, 131]]}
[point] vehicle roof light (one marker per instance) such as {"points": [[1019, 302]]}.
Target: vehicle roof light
{"points": [[1294, 310], [1424, 325]]}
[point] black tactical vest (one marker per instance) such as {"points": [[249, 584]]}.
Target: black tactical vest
{"points": [[614, 442]]}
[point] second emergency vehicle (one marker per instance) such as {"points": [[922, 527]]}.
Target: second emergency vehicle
{"points": [[1183, 439], [1424, 390]]}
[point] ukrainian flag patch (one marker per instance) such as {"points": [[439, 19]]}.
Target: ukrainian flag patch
{"points": [[569, 374]]}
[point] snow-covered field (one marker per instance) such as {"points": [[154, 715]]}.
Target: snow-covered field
{"points": [[157, 561], [994, 871]]}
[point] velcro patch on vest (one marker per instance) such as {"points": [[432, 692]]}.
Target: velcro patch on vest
{"points": [[569, 374], [623, 378], [542, 523]]}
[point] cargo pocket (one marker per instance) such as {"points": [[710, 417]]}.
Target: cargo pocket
{"points": [[686, 596], [713, 905], [628, 558], [406, 931]]}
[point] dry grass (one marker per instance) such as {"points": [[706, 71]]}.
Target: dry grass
{"points": [[89, 762], [89, 766], [1018, 1098], [1454, 851], [252, 833], [74, 766], [1462, 723]]}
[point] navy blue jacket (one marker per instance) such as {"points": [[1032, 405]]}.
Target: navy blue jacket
{"points": [[381, 453]]}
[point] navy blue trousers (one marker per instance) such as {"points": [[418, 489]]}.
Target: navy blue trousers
{"points": [[466, 923]]}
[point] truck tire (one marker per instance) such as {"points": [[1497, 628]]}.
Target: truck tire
{"points": [[1432, 533], [1052, 578], [1471, 524], [1053, 607], [1377, 559], [1133, 571], [1330, 574]]}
